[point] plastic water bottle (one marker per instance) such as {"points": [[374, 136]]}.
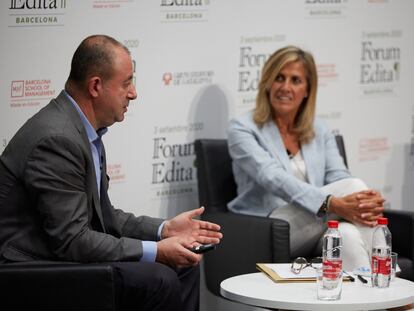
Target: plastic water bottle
{"points": [[381, 255], [332, 261]]}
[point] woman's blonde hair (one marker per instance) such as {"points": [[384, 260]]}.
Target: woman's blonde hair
{"points": [[271, 69]]}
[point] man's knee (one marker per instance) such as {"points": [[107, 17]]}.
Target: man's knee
{"points": [[165, 277], [154, 277], [147, 286]]}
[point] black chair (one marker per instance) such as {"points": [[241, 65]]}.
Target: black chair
{"points": [[249, 239], [57, 286]]}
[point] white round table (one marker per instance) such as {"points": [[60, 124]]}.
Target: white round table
{"points": [[258, 290]]}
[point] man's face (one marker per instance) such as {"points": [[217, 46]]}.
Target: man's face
{"points": [[117, 91]]}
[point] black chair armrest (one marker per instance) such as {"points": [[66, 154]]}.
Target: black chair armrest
{"points": [[55, 286], [401, 225], [281, 241], [246, 241]]}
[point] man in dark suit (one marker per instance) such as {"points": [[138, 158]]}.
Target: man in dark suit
{"points": [[54, 204]]}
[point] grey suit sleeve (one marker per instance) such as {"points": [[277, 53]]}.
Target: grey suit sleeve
{"points": [[55, 176], [141, 227]]}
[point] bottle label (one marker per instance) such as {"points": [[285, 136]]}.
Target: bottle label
{"points": [[332, 269], [381, 265]]}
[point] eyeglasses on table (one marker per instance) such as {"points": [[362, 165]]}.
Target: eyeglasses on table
{"points": [[300, 263]]}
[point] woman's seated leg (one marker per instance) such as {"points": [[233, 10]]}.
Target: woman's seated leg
{"points": [[355, 246]]}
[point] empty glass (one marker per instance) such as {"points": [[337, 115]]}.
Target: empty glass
{"points": [[328, 288], [394, 257]]}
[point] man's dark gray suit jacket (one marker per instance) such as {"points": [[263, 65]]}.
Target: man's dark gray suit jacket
{"points": [[49, 203]]}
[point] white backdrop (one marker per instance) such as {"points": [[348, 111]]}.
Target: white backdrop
{"points": [[197, 65]]}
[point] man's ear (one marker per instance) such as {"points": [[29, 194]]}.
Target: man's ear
{"points": [[95, 86]]}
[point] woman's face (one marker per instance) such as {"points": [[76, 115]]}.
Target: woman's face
{"points": [[288, 90]]}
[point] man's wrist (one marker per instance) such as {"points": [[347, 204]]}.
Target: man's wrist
{"points": [[160, 235], [149, 251]]}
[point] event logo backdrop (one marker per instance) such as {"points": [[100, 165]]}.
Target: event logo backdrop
{"points": [[197, 64], [36, 13]]}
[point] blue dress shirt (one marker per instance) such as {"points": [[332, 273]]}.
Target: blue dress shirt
{"points": [[95, 141]]}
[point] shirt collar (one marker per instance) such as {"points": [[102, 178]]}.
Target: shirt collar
{"points": [[90, 131]]}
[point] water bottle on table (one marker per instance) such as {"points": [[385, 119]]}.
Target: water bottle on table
{"points": [[381, 255], [331, 274]]}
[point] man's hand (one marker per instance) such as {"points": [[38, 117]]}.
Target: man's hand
{"points": [[174, 252], [363, 207], [184, 224]]}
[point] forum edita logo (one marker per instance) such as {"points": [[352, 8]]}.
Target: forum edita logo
{"points": [[35, 13], [37, 4]]}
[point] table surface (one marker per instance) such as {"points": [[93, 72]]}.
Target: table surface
{"points": [[258, 290]]}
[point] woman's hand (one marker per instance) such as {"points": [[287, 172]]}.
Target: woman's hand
{"points": [[363, 207]]}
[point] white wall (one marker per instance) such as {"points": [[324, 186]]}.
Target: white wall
{"points": [[197, 65]]}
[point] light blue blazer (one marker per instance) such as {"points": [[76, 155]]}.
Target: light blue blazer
{"points": [[263, 173]]}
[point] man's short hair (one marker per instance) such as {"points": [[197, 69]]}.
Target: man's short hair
{"points": [[94, 56]]}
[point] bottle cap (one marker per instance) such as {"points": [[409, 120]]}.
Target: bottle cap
{"points": [[333, 224], [383, 221]]}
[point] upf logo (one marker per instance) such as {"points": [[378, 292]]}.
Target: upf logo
{"points": [[167, 78], [17, 88], [37, 4]]}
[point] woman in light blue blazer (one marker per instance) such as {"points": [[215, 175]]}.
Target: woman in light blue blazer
{"points": [[287, 165]]}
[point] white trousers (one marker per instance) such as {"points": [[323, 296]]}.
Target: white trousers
{"points": [[306, 228], [356, 239]]}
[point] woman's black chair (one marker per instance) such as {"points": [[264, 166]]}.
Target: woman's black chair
{"points": [[249, 239]]}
